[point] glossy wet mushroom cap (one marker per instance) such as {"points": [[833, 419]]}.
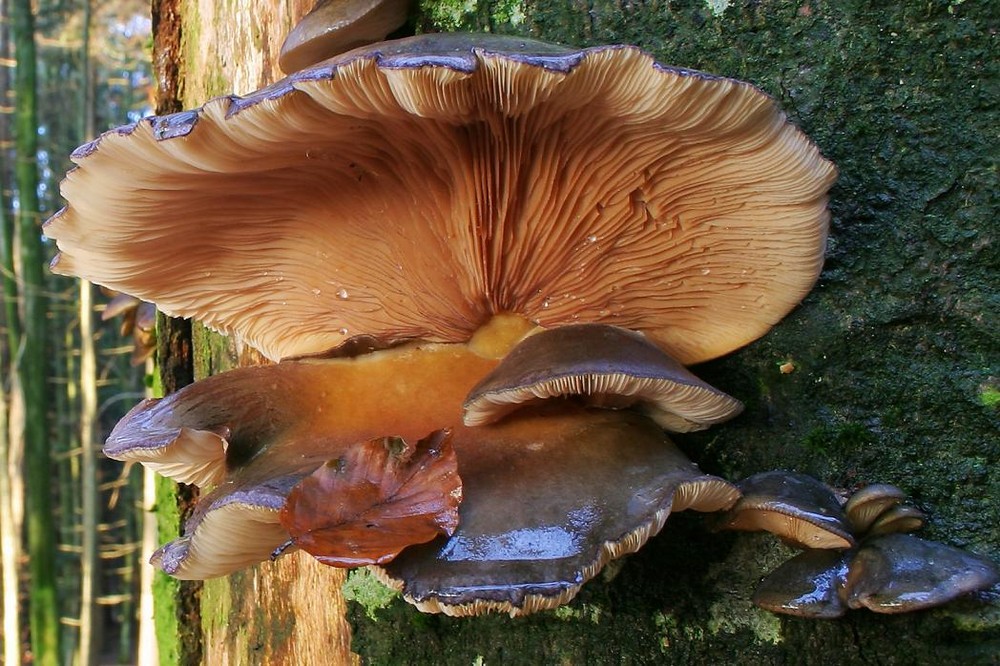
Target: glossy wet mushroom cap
{"points": [[811, 584], [212, 428], [897, 573], [793, 506], [336, 26], [551, 496], [602, 366], [413, 189]]}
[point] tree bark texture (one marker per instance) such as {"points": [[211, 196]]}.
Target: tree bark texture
{"points": [[896, 375]]}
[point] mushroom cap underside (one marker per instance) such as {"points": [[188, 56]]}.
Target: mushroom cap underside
{"points": [[604, 366], [793, 506], [551, 496], [413, 189]]}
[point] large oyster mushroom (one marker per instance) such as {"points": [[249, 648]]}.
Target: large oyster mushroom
{"points": [[452, 193]]}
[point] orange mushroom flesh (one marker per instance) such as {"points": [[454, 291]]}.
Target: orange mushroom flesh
{"points": [[336, 26], [603, 366], [795, 507], [319, 406]]}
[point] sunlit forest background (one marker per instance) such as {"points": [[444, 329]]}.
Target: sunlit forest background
{"points": [[72, 356]]}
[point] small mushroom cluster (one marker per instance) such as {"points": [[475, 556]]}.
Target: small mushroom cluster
{"points": [[483, 251], [857, 553]]}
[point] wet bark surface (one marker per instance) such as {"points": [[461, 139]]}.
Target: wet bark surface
{"points": [[896, 376]]}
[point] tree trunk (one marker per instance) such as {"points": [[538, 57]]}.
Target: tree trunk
{"points": [[43, 601], [89, 571], [10, 526], [895, 351]]}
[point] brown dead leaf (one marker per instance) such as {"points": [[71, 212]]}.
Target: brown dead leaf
{"points": [[375, 500]]}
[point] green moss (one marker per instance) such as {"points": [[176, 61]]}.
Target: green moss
{"points": [[989, 396], [364, 589], [166, 589]]}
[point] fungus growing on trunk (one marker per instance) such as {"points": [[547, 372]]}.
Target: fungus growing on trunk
{"points": [[336, 26], [391, 222], [886, 572], [604, 366], [795, 507]]}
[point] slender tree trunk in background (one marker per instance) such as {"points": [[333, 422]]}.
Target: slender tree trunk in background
{"points": [[89, 560], [148, 654], [43, 615], [89, 578], [10, 533], [9, 546]]}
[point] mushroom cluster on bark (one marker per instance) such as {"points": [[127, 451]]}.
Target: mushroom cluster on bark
{"points": [[518, 243], [856, 552]]}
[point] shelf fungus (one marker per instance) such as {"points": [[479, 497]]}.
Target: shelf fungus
{"points": [[887, 571], [417, 230]]}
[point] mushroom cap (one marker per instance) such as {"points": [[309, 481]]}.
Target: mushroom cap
{"points": [[808, 585], [898, 573], [897, 519], [608, 367], [228, 531], [213, 427], [528, 538], [413, 189], [793, 506], [870, 502], [336, 26], [552, 494]]}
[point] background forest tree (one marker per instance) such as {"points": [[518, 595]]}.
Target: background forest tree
{"points": [[69, 524]]}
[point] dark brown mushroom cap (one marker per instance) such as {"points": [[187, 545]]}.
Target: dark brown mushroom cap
{"points": [[605, 366], [551, 495], [810, 584], [336, 26], [793, 506], [412, 189], [897, 573]]}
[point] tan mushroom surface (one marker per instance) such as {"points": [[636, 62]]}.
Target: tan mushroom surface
{"points": [[543, 511], [413, 189]]}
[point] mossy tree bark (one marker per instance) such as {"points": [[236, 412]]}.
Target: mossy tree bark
{"points": [[896, 375]]}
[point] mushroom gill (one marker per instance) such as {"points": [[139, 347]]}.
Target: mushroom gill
{"points": [[413, 189]]}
